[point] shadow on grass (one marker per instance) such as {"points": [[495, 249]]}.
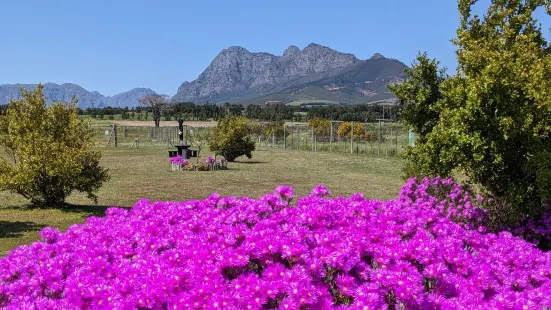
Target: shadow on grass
{"points": [[250, 162], [87, 210], [16, 229], [90, 210]]}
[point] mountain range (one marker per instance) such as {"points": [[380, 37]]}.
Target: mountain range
{"points": [[315, 74], [86, 99]]}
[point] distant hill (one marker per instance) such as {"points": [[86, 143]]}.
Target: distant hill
{"points": [[86, 99], [314, 73]]}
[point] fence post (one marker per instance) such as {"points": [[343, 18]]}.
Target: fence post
{"points": [[312, 138], [352, 138], [273, 138], [284, 137], [396, 133], [115, 133], [331, 138], [379, 140], [298, 139]]}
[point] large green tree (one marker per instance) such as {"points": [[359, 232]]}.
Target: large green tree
{"points": [[48, 151], [491, 120]]}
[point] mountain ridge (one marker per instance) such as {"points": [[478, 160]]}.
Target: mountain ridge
{"points": [[236, 75], [239, 76], [86, 99]]}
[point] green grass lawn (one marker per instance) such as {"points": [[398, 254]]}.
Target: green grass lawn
{"points": [[145, 173]]}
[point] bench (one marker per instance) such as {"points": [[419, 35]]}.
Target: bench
{"points": [[192, 153]]}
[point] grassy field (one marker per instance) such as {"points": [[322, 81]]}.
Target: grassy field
{"points": [[145, 173]]}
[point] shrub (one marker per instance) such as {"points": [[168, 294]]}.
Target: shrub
{"points": [[322, 127], [49, 151], [231, 138], [202, 166], [274, 127], [420, 251], [491, 119], [345, 129]]}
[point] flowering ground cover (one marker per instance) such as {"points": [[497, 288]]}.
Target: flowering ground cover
{"points": [[423, 250]]}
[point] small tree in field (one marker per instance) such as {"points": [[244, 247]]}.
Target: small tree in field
{"points": [[231, 138], [157, 104], [48, 150], [199, 140]]}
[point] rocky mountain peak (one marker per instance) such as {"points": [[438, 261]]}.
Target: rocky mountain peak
{"points": [[315, 46], [377, 56], [238, 49], [291, 51]]}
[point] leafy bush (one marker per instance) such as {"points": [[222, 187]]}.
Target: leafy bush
{"points": [[202, 166], [491, 120], [49, 151], [231, 138], [345, 130], [322, 127], [420, 251], [274, 127]]}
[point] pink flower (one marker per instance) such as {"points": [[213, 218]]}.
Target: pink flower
{"points": [[320, 191], [285, 192]]}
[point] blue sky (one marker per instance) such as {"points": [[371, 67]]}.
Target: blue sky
{"points": [[113, 46]]}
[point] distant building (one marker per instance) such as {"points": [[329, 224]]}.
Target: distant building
{"points": [[272, 102]]}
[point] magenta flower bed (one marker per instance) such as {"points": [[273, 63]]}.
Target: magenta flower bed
{"points": [[178, 160], [321, 253]]}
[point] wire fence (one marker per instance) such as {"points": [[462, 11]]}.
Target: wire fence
{"points": [[378, 139], [143, 136]]}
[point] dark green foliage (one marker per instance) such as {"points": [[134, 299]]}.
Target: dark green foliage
{"points": [[419, 94]]}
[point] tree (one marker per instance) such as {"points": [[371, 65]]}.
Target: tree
{"points": [[494, 113], [231, 138], [199, 140], [419, 94], [253, 111], [419, 112], [157, 103], [49, 151]]}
